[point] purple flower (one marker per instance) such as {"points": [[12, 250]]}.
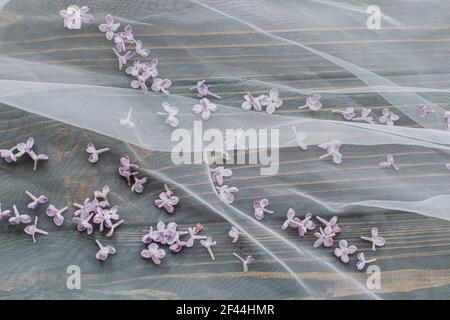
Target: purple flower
{"points": [[74, 16], [127, 121], [127, 33], [9, 155], [153, 252], [36, 200], [324, 237], [234, 234], [56, 214], [138, 185], [300, 138], [424, 111], [362, 261], [218, 173], [347, 113], [161, 85], [122, 59], [151, 68], [226, 193], [27, 148], [103, 196], [289, 222], [208, 243], [167, 200], [272, 102], [312, 103], [140, 50], [330, 226], [19, 218], [245, 262], [87, 208], [4, 214], [332, 148], [32, 230], [252, 102], [83, 224], [205, 108], [169, 114], [125, 169], [376, 240], [344, 251], [93, 152], [260, 208], [140, 82], [151, 236], [104, 252], [109, 27], [365, 116], [389, 163], [113, 228], [203, 90], [388, 117], [304, 225]]}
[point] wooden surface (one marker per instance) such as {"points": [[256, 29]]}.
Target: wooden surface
{"points": [[414, 263]]}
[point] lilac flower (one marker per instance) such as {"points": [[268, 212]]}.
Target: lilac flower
{"points": [[161, 85], [36, 200], [300, 138], [208, 243], [102, 195], [192, 237], [424, 111], [83, 223], [127, 121], [104, 217], [252, 102], [19, 218], [113, 228], [324, 237], [37, 157], [226, 193], [234, 234], [272, 102], [344, 251], [27, 148], [203, 90], [260, 208], [290, 222], [140, 50], [9, 155], [32, 230], [376, 240], [313, 103], [177, 246], [169, 114], [205, 108], [74, 16], [138, 185], [332, 148], [362, 261], [389, 163], [151, 68], [120, 43], [365, 116], [87, 208], [347, 113], [153, 252], [125, 169], [122, 59], [304, 225], [104, 252], [167, 200], [136, 69], [140, 82], [4, 214], [330, 226], [151, 236], [109, 27], [388, 117], [127, 33], [56, 214], [219, 173], [245, 262], [93, 152]]}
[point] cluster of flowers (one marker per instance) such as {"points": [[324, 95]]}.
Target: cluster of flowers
{"points": [[204, 107], [271, 101], [12, 155], [170, 236], [127, 170], [225, 192], [326, 235], [97, 211], [235, 234]]}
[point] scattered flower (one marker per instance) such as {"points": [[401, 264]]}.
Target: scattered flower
{"points": [[153, 252], [93, 157], [36, 200], [109, 27], [5, 213], [376, 240], [113, 228], [389, 163], [365, 112], [74, 16], [304, 225], [245, 262], [139, 82], [234, 234], [32, 230], [388, 117], [103, 196], [127, 121], [344, 251], [205, 108], [19, 218], [226, 193], [362, 261], [169, 114], [203, 90], [83, 223], [260, 208], [122, 59], [208, 243], [28, 149], [252, 102], [330, 226], [347, 113], [324, 237], [218, 173], [167, 200], [161, 85], [56, 214], [332, 148], [424, 111], [126, 169], [272, 102], [138, 185], [140, 50], [300, 138], [313, 103], [104, 251]]}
